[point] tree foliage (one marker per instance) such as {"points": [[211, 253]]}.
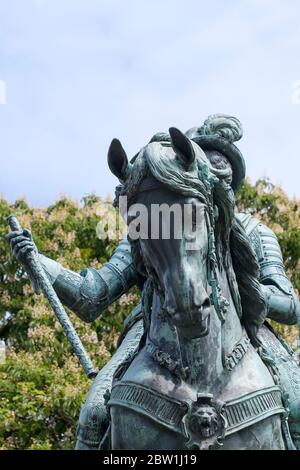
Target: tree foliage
{"points": [[41, 384]]}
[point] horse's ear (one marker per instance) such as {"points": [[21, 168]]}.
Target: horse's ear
{"points": [[117, 159], [182, 146]]}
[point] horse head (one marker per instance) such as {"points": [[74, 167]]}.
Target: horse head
{"points": [[169, 189]]}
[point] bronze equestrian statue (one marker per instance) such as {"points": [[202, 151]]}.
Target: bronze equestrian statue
{"points": [[197, 365]]}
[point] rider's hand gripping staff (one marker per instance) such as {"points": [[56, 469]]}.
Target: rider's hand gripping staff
{"points": [[40, 279]]}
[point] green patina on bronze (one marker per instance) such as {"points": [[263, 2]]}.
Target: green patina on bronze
{"points": [[196, 365]]}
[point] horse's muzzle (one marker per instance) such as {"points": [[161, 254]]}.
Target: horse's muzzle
{"points": [[194, 323]]}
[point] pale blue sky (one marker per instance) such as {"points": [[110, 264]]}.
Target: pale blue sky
{"points": [[81, 72]]}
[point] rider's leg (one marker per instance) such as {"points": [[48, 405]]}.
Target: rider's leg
{"points": [[92, 424], [93, 419], [289, 375]]}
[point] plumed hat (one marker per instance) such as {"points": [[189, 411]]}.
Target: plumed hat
{"points": [[218, 132]]}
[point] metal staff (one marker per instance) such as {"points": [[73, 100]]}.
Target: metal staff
{"points": [[43, 281]]}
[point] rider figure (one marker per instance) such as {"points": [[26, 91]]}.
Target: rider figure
{"points": [[91, 291]]}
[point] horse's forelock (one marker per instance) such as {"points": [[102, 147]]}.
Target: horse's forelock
{"points": [[160, 160]]}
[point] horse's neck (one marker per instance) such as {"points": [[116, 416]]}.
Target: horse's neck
{"points": [[201, 358]]}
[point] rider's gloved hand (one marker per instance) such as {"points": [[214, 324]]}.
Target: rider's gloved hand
{"points": [[21, 243]]}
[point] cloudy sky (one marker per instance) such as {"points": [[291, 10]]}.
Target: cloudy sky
{"points": [[80, 72]]}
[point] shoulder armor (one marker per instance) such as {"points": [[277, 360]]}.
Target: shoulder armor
{"points": [[121, 266], [119, 273], [249, 223], [268, 252]]}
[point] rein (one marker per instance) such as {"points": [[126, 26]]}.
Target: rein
{"points": [[219, 302]]}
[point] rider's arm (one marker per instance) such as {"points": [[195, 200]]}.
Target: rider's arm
{"points": [[89, 292], [281, 299]]}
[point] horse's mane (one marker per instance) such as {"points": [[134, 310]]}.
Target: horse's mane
{"points": [[211, 186]]}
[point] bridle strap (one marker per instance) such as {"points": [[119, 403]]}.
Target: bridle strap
{"points": [[218, 300]]}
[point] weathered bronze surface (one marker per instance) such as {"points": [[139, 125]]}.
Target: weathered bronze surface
{"points": [[197, 364]]}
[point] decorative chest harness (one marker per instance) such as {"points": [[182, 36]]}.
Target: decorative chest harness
{"points": [[203, 423]]}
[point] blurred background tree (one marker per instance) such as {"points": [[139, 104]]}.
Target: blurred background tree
{"points": [[41, 384]]}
